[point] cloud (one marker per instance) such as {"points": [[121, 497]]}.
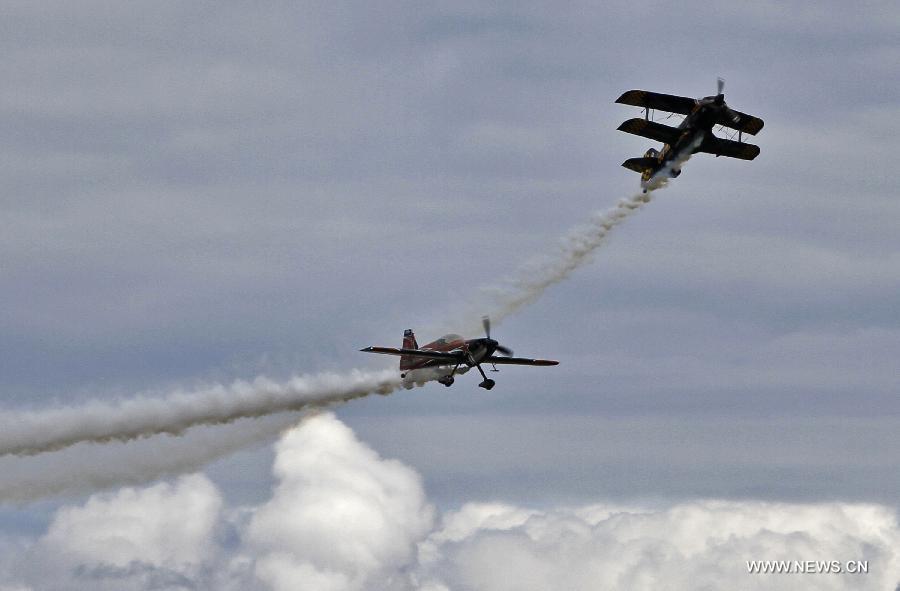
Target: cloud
{"points": [[699, 544], [159, 537], [163, 525], [342, 518]]}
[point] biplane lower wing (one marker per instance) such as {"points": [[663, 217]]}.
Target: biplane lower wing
{"points": [[745, 123], [640, 164], [649, 129], [720, 147], [659, 101]]}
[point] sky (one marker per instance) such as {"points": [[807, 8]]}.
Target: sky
{"points": [[204, 193]]}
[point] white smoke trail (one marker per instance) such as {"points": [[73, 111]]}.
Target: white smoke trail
{"points": [[28, 433], [531, 280], [87, 468]]}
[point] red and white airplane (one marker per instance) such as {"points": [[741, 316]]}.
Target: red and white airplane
{"points": [[451, 355]]}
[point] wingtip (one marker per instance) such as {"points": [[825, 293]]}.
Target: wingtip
{"points": [[627, 97], [630, 124]]}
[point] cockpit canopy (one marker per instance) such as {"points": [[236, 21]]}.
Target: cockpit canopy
{"points": [[448, 338], [651, 153]]}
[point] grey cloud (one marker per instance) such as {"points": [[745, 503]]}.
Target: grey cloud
{"points": [[485, 452]]}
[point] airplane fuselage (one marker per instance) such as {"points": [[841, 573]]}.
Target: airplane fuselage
{"points": [[476, 349], [418, 371], [694, 128]]}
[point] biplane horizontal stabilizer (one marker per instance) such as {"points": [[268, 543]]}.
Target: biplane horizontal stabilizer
{"points": [[640, 164]]}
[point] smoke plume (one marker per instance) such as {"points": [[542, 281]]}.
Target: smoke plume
{"points": [[87, 468], [28, 433], [531, 280]]}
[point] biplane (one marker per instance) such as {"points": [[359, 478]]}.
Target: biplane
{"points": [[694, 134], [451, 355]]}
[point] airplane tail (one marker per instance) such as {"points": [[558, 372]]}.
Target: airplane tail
{"points": [[409, 342], [640, 164]]}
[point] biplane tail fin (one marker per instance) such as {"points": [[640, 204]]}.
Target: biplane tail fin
{"points": [[640, 165]]}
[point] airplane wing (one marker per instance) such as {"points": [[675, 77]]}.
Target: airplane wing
{"points": [[649, 129], [416, 353], [720, 147], [655, 100], [745, 123], [518, 361]]}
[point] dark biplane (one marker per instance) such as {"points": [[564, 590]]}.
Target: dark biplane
{"points": [[693, 135]]}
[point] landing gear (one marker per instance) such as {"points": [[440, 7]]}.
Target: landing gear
{"points": [[488, 383], [448, 380]]}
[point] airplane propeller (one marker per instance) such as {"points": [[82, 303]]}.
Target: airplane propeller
{"points": [[720, 87], [486, 323]]}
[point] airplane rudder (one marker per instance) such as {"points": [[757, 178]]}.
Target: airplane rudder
{"points": [[409, 339], [409, 342]]}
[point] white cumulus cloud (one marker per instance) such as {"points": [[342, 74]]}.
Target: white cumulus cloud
{"points": [[342, 518], [693, 545], [163, 525]]}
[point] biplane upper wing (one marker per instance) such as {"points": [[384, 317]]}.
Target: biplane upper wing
{"points": [[459, 356], [721, 147], [649, 129], [745, 123], [656, 100], [495, 360]]}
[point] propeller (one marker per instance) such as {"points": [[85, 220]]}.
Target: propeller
{"points": [[720, 86], [486, 323], [505, 350]]}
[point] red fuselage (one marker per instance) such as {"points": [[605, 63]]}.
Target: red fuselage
{"points": [[477, 350]]}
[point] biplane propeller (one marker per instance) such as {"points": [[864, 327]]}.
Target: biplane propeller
{"points": [[451, 354], [693, 135]]}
